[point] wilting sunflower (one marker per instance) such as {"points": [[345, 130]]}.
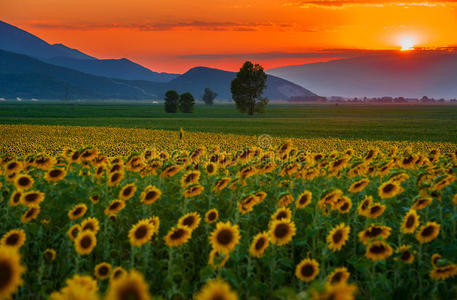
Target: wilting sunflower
{"points": [[216, 289], [389, 189], [141, 233], [114, 207], [190, 177], [150, 195], [193, 190], [303, 200], [372, 232], [421, 203], [191, 220], [117, 273], [358, 186], [378, 250], [23, 182], [339, 275], [281, 232], [129, 286], [211, 215], [15, 198], [307, 269], [77, 212], [11, 272], [405, 254], [30, 214], [259, 243], [127, 192], [428, 232], [85, 242], [375, 210], [217, 259], [443, 272], [338, 237], [49, 254], [74, 231], [115, 178], [225, 237], [221, 184], [102, 270], [32, 198], [14, 238], [177, 236], [410, 222], [55, 175], [91, 224]]}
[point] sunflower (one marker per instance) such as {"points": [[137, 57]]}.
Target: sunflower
{"points": [[177, 236], [282, 213], [377, 250], [217, 259], [307, 269], [247, 203], [190, 177], [329, 198], [358, 186], [259, 243], [14, 238], [338, 237], [170, 171], [150, 195], [11, 272], [428, 232], [77, 212], [154, 221], [247, 172], [30, 214], [115, 178], [225, 237], [454, 199], [94, 198], [434, 259], [211, 215], [443, 272], [15, 198], [129, 286], [285, 199], [191, 220], [344, 204], [141, 233], [338, 276], [375, 210], [405, 254], [91, 224], [49, 254], [85, 242], [221, 184], [281, 232], [32, 198], [114, 207], [74, 231], [102, 270], [372, 232], [23, 182], [260, 196], [421, 203], [389, 189], [117, 273], [193, 190], [78, 287], [127, 192], [303, 200], [410, 222], [55, 175], [341, 291]]}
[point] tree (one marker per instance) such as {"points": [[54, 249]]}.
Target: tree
{"points": [[209, 96], [247, 88], [171, 101], [186, 103]]}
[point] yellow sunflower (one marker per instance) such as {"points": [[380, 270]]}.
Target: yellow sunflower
{"points": [[49, 254], [141, 233], [303, 200], [421, 203], [211, 215], [375, 210], [94, 198], [281, 232], [191, 177], [405, 254], [338, 237], [260, 196], [285, 199], [15, 198], [73, 231], [378, 250], [85, 242], [225, 237], [443, 272], [115, 178], [342, 291], [307, 269], [14, 238], [129, 286], [150, 195], [216, 289], [127, 192], [23, 182], [11, 272], [102, 270], [344, 204], [154, 221], [170, 171], [193, 190], [191, 220], [91, 224], [117, 273], [77, 212], [217, 259], [32, 198], [428, 232], [282, 213], [259, 243], [434, 259], [30, 214], [177, 236], [338, 276], [410, 222], [358, 186], [114, 207], [221, 184], [389, 189], [55, 175], [372, 232]]}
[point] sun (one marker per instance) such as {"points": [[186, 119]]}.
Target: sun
{"points": [[407, 43]]}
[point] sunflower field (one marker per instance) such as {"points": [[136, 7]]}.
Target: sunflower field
{"points": [[180, 221]]}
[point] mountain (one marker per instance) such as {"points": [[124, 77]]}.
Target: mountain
{"points": [[27, 77], [17, 40], [409, 74]]}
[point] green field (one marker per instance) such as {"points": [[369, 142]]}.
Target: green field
{"points": [[347, 121]]}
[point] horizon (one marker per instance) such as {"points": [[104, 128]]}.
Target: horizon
{"points": [[281, 33]]}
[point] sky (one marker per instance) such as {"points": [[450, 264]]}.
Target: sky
{"points": [[175, 35]]}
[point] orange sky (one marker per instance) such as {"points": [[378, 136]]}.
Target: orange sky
{"points": [[174, 35]]}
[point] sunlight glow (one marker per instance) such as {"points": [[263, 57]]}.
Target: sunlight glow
{"points": [[407, 43]]}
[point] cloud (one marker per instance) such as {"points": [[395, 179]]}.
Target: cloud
{"points": [[338, 4]]}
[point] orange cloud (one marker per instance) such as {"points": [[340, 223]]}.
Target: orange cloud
{"points": [[335, 4]]}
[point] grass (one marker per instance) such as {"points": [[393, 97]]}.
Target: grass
{"points": [[371, 122]]}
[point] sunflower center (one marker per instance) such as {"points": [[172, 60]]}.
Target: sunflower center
{"points": [[337, 277], [141, 232], [388, 188], [77, 211], [115, 177], [405, 256], [115, 205], [117, 273], [281, 215], [54, 173], [377, 249], [303, 199], [89, 226], [375, 209], [217, 296], [30, 213], [12, 239], [189, 221], [345, 206], [150, 195], [127, 191], [259, 244], [428, 231], [6, 274], [177, 234], [307, 270], [31, 197], [86, 242], [129, 292], [210, 168], [410, 221], [373, 232], [211, 216], [17, 197], [281, 230], [225, 237], [24, 181], [337, 236], [103, 270]]}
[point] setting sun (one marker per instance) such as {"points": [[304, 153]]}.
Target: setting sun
{"points": [[407, 43]]}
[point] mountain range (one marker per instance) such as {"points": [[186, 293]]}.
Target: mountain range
{"points": [[413, 73]]}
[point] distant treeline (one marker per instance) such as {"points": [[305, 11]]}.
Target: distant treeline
{"points": [[424, 99]]}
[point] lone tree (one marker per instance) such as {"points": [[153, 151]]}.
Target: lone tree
{"points": [[186, 103], [247, 88], [171, 101], [209, 96]]}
